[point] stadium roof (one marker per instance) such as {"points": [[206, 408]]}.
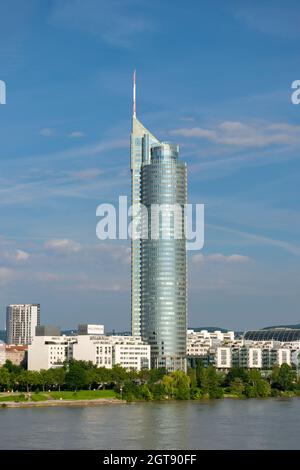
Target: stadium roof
{"points": [[277, 334]]}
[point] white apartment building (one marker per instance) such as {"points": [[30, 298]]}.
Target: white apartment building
{"points": [[133, 353], [94, 348], [222, 357], [199, 342], [46, 352], [130, 352], [21, 321]]}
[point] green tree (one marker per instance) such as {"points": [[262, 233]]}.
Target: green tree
{"points": [[118, 375], [168, 384], [77, 375], [193, 377], [236, 372], [158, 391], [263, 388], [28, 379], [146, 393], [209, 382], [12, 368], [283, 377], [156, 375], [56, 377], [4, 378], [237, 387], [181, 383]]}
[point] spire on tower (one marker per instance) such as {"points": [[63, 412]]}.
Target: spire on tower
{"points": [[134, 94]]}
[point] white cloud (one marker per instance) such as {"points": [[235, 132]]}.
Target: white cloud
{"points": [[261, 240], [86, 174], [238, 134], [47, 132], [21, 255], [63, 246], [220, 258], [120, 253], [76, 135]]}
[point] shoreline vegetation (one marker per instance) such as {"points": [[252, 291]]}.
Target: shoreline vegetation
{"points": [[80, 383]]}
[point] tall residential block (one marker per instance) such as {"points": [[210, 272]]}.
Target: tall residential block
{"points": [[21, 321]]}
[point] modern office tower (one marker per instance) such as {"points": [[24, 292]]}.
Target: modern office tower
{"points": [[159, 294], [140, 143], [21, 321]]}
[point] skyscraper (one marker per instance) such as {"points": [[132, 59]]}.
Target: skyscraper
{"points": [[21, 320], [159, 294]]}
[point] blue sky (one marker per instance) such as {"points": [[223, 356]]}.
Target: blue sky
{"points": [[214, 77]]}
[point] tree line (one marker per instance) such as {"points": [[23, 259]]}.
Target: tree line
{"points": [[156, 384]]}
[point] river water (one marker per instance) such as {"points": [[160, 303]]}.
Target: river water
{"points": [[220, 424]]}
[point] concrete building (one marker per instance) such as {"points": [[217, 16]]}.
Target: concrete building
{"points": [[47, 330], [17, 354], [47, 352], [158, 265], [21, 321], [130, 352], [87, 329], [198, 342]]}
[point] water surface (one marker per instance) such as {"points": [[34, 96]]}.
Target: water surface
{"points": [[220, 424]]}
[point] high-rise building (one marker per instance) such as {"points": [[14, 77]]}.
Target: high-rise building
{"points": [[158, 269], [21, 321]]}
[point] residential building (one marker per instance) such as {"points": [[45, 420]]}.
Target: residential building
{"points": [[21, 321]]}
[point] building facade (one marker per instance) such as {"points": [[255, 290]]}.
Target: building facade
{"points": [[21, 321], [46, 352], [130, 352], [141, 141], [158, 260]]}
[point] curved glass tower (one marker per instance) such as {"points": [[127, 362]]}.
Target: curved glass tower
{"points": [[163, 257], [158, 260]]}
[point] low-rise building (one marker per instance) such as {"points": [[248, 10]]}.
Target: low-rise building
{"points": [[16, 354], [130, 352], [47, 352]]}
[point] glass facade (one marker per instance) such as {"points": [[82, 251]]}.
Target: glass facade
{"points": [[141, 140], [163, 257], [158, 265]]}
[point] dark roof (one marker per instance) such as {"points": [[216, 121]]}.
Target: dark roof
{"points": [[276, 334]]}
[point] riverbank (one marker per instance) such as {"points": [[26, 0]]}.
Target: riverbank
{"points": [[55, 403]]}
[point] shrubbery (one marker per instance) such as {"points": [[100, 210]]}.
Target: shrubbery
{"points": [[147, 385]]}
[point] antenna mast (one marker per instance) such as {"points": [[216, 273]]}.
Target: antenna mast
{"points": [[134, 94]]}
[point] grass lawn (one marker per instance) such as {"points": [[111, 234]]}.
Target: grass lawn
{"points": [[16, 398], [83, 394], [39, 397]]}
